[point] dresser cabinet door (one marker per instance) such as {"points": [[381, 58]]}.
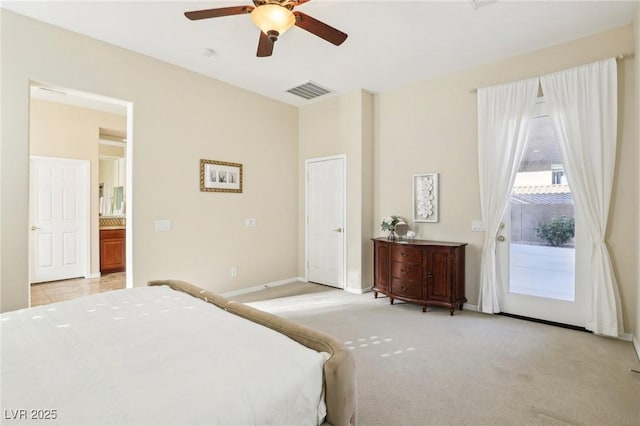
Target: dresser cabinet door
{"points": [[381, 260], [438, 273]]}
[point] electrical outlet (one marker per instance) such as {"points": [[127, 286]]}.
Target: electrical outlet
{"points": [[250, 222], [234, 271]]}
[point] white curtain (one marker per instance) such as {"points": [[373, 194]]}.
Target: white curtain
{"points": [[583, 105], [504, 115]]}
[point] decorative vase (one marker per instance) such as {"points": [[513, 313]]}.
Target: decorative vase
{"points": [[392, 235]]}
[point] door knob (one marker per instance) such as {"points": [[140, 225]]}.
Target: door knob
{"points": [[338, 230], [35, 228], [500, 238]]}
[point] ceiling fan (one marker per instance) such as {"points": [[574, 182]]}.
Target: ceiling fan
{"points": [[274, 17]]}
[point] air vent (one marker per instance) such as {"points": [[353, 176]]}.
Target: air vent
{"points": [[309, 90]]}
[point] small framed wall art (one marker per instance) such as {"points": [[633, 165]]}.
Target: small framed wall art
{"points": [[220, 176], [425, 197]]}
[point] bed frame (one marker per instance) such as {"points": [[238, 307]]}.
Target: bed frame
{"points": [[339, 370]]}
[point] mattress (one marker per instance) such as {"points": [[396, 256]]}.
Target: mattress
{"points": [[152, 356]]}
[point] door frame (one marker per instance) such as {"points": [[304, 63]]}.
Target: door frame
{"points": [[128, 200], [129, 174], [307, 162], [574, 313], [86, 207]]}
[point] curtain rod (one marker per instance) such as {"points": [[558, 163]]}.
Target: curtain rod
{"points": [[620, 57]]}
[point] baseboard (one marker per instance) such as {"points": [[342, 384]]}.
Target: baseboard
{"points": [[636, 345], [94, 275], [261, 287], [470, 307], [358, 290], [627, 337]]}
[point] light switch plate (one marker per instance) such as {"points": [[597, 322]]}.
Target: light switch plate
{"points": [[477, 226], [163, 225]]}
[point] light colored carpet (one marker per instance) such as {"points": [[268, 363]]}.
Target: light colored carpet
{"points": [[430, 368]]}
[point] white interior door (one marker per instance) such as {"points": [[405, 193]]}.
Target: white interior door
{"points": [[59, 211], [325, 205]]}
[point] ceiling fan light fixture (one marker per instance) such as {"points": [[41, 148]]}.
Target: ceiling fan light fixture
{"points": [[273, 18]]}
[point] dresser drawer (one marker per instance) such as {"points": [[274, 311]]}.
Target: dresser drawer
{"points": [[406, 288], [400, 253], [406, 271]]}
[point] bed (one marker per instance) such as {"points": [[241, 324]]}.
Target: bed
{"points": [[168, 354]]}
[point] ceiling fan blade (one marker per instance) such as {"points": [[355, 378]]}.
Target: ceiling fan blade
{"points": [[320, 29], [215, 13], [265, 46]]}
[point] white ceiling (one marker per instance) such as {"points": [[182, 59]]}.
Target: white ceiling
{"points": [[390, 44]]}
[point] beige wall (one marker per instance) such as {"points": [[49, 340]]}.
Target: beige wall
{"points": [[336, 126], [112, 151], [637, 62], [179, 117], [57, 130], [431, 126]]}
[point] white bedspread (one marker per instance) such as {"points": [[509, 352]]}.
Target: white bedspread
{"points": [[153, 356]]}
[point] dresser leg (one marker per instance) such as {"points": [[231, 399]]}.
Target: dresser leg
{"points": [[424, 308], [375, 294], [391, 300], [451, 311]]}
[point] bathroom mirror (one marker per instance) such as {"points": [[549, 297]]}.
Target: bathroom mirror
{"points": [[112, 179]]}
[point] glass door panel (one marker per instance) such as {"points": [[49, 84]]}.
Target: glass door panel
{"points": [[537, 255]]}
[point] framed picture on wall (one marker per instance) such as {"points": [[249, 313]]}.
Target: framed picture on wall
{"points": [[220, 176], [425, 197]]}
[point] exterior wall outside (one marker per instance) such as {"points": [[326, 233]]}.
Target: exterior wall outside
{"points": [[526, 217], [179, 117], [58, 130]]}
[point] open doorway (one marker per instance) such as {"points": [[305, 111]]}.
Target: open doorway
{"points": [[78, 248]]}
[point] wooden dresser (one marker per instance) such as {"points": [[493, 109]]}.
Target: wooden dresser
{"points": [[421, 272], [112, 250]]}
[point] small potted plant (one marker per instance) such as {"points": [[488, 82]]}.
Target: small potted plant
{"points": [[389, 224]]}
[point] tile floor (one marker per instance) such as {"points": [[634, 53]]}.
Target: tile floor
{"points": [[58, 291]]}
